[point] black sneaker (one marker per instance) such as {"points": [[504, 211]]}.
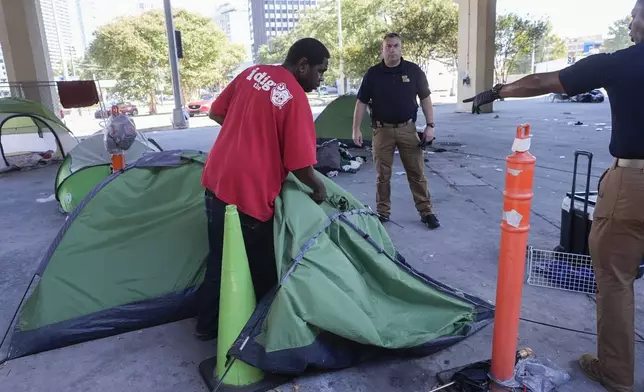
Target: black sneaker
{"points": [[430, 221]]}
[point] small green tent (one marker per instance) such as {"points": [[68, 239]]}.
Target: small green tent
{"points": [[336, 121], [31, 135], [133, 253], [87, 164]]}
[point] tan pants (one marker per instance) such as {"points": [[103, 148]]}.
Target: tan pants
{"points": [[385, 140], [616, 247]]}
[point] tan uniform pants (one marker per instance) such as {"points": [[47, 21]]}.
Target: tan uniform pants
{"points": [[616, 247], [385, 140]]}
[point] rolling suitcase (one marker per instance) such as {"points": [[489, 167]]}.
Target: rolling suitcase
{"points": [[577, 214]]}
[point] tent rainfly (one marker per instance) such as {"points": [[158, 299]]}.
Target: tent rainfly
{"points": [[88, 164], [133, 253]]}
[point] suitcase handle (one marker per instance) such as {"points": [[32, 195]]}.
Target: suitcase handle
{"points": [[571, 213]]}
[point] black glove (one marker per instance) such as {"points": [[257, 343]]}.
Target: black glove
{"points": [[484, 98], [423, 142]]}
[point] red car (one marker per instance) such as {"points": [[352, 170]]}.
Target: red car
{"points": [[199, 107]]}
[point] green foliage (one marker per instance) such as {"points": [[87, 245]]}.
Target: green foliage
{"points": [[515, 37], [429, 30], [550, 47], [619, 37], [135, 50], [208, 57]]}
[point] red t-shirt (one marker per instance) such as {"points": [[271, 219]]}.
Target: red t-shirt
{"points": [[268, 132]]}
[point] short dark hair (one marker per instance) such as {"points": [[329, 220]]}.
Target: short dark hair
{"points": [[314, 51], [395, 35]]}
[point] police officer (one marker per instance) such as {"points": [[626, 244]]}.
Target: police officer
{"points": [[617, 234], [391, 88]]}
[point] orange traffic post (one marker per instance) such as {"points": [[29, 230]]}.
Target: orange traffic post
{"points": [[515, 226], [118, 162]]}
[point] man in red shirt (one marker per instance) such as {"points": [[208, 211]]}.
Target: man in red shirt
{"points": [[267, 132]]}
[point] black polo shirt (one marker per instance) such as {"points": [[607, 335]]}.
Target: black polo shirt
{"points": [[621, 74], [392, 91]]}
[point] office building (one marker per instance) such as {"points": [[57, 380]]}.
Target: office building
{"points": [[270, 18], [59, 34], [584, 45], [233, 20]]}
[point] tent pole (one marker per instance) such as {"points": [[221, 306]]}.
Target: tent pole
{"points": [[13, 319]]}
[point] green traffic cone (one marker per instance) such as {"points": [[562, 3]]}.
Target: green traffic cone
{"points": [[236, 302]]}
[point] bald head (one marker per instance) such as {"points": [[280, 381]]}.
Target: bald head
{"points": [[637, 24]]}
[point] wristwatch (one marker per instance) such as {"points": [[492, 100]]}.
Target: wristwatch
{"points": [[431, 125]]}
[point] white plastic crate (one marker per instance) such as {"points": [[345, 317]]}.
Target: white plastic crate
{"points": [[563, 271]]}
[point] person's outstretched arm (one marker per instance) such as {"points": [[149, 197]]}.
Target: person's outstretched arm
{"points": [[587, 74]]}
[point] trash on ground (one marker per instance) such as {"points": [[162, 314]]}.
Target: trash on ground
{"points": [[600, 124], [579, 123], [599, 129], [562, 157], [351, 167], [334, 156], [51, 197], [537, 375], [400, 173], [332, 173]]}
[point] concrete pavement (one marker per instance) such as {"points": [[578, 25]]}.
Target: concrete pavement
{"points": [[465, 180]]}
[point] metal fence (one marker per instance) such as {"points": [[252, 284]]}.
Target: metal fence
{"points": [[44, 92], [563, 271]]}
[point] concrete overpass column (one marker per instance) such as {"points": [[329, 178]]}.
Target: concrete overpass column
{"points": [[476, 31], [26, 55]]}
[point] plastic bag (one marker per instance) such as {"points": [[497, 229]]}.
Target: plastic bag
{"points": [[540, 377], [119, 134]]}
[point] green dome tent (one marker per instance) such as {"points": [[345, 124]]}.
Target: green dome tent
{"points": [[86, 165], [132, 255], [31, 135], [336, 121]]}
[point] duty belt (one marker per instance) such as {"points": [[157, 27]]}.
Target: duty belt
{"points": [[380, 124], [632, 163]]}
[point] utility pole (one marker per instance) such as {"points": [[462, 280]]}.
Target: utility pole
{"points": [[341, 84], [534, 48], [178, 117]]}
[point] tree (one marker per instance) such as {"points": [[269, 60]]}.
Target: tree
{"points": [[550, 47], [428, 29], [135, 50], [619, 37], [515, 37], [208, 57]]}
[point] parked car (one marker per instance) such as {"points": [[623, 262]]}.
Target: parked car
{"points": [[199, 107], [126, 108]]}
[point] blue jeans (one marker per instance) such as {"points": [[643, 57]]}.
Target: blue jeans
{"points": [[258, 240]]}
